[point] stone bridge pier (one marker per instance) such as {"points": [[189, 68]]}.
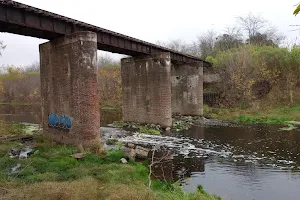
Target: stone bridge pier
{"points": [[70, 104], [187, 89], [146, 86], [154, 88]]}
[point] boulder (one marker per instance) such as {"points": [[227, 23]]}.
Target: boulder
{"points": [[131, 145], [297, 124], [129, 152], [78, 155], [141, 152]]}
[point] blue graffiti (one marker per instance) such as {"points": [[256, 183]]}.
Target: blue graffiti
{"points": [[62, 122]]}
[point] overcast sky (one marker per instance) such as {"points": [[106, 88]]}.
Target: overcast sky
{"points": [[152, 20]]}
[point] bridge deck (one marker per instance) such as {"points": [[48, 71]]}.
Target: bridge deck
{"points": [[25, 20]]}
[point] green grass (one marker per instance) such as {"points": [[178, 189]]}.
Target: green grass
{"points": [[52, 165], [278, 115], [17, 129], [181, 123], [10, 130], [147, 130], [53, 162], [119, 124], [150, 129]]}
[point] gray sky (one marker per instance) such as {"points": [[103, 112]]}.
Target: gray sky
{"points": [[152, 20]]}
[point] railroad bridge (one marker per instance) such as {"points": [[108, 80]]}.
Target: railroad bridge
{"points": [[156, 81]]}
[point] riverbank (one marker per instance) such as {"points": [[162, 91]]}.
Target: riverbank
{"points": [[15, 130], [50, 172], [17, 103], [103, 107], [267, 115]]}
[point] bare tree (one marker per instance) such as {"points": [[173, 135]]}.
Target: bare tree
{"points": [[104, 60], [252, 24], [232, 38], [255, 26], [206, 43], [273, 34], [180, 46], [34, 67], [2, 47], [234, 31]]}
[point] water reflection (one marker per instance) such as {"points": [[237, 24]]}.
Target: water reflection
{"points": [[32, 114], [269, 176], [235, 162], [29, 114], [178, 168]]}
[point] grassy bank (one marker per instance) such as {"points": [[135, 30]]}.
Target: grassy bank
{"points": [[150, 129], [17, 129], [268, 115], [51, 173]]}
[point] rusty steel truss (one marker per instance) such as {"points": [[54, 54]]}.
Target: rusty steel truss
{"points": [[25, 20]]}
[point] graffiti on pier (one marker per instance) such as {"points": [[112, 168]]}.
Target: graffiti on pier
{"points": [[62, 122]]}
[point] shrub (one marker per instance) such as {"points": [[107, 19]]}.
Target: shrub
{"points": [[251, 73]]}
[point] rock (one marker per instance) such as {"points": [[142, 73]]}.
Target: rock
{"points": [[78, 155], [15, 169], [168, 129], [20, 152], [297, 124], [26, 152], [130, 145], [15, 151], [123, 160], [111, 141], [129, 152], [141, 152]]}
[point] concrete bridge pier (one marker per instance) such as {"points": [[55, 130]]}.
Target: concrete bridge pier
{"points": [[70, 103], [146, 82], [187, 89]]}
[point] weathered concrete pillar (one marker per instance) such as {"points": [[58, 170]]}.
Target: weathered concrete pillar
{"points": [[187, 89], [146, 85], [70, 104]]}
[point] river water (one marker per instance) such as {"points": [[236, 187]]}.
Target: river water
{"points": [[230, 160]]}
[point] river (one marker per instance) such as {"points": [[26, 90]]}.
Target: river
{"points": [[230, 160]]}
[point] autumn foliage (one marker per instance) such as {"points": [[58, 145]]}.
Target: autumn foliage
{"points": [[264, 75], [17, 85], [22, 85], [110, 86]]}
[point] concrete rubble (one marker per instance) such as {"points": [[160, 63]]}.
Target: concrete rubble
{"points": [[123, 160], [21, 152]]}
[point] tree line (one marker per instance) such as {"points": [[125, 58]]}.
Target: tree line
{"points": [[22, 84], [251, 29]]}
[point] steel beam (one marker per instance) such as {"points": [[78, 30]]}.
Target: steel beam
{"points": [[25, 20]]}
